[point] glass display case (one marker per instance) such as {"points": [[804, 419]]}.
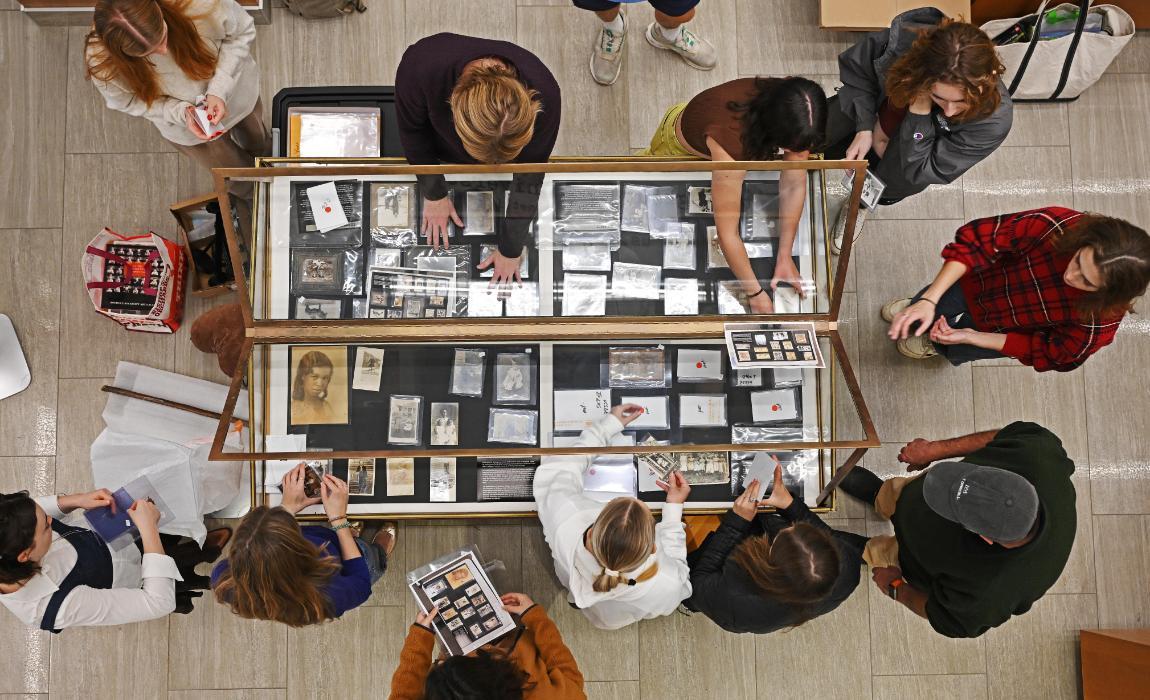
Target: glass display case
{"points": [[396, 363]]}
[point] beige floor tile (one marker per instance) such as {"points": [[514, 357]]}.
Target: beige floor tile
{"points": [[92, 126], [1039, 124], [24, 665], [903, 643], [127, 661], [490, 20], [1017, 179], [657, 79], [128, 194], [1037, 651], [968, 687], [782, 37], [81, 408], [1108, 179], [368, 641], [592, 113], [1054, 400], [617, 690], [28, 419], [34, 74], [907, 398], [277, 53], [602, 655], [936, 202], [815, 665], [209, 639], [1122, 554], [248, 694], [1135, 58], [1118, 423], [360, 49], [705, 657], [194, 180]]}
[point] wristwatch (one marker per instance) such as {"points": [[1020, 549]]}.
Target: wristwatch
{"points": [[892, 587]]}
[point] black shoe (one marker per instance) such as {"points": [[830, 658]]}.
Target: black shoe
{"points": [[184, 601], [194, 582], [862, 484]]}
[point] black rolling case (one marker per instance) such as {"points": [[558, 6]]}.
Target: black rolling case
{"points": [[382, 96]]}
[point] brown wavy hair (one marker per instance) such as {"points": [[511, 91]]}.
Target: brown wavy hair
{"points": [[1122, 254], [798, 567], [622, 538], [494, 113], [953, 52], [274, 573], [125, 31]]}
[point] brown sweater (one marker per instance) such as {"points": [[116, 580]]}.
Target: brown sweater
{"points": [[709, 114], [540, 652]]}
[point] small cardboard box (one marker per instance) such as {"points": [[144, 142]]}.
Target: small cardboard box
{"points": [[199, 281], [872, 15]]}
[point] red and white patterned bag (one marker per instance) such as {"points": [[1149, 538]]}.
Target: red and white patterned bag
{"points": [[138, 281]]}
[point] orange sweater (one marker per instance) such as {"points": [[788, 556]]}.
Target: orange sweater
{"points": [[540, 652]]}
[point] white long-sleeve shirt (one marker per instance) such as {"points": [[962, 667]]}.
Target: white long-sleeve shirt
{"points": [[143, 588], [566, 513], [229, 30]]}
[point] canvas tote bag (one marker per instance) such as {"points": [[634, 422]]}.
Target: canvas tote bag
{"points": [[1061, 68]]}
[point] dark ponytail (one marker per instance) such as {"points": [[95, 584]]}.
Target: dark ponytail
{"points": [[17, 533], [788, 113]]}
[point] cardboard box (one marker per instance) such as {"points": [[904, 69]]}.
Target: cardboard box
{"points": [[199, 281], [872, 15]]}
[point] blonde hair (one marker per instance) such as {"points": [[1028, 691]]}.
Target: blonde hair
{"points": [[622, 538], [494, 113]]}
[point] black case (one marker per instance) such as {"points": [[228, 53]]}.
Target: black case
{"points": [[382, 96]]}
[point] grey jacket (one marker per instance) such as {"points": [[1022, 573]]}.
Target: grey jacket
{"points": [[928, 149]]}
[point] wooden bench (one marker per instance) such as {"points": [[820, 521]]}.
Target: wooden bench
{"points": [[79, 12]]}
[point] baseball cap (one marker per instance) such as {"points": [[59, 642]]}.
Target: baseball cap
{"points": [[988, 501]]}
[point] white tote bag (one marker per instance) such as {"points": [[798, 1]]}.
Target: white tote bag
{"points": [[1060, 69]]}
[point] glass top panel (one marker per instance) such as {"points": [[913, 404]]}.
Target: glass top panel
{"points": [[602, 244]]}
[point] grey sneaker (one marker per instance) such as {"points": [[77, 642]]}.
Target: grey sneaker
{"points": [[698, 53], [840, 230], [891, 308], [607, 54]]}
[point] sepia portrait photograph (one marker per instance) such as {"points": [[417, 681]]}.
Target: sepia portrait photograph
{"points": [[319, 391], [400, 476], [361, 477]]}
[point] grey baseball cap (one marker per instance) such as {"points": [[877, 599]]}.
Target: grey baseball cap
{"points": [[988, 501]]}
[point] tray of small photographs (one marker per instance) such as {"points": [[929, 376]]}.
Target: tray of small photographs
{"points": [[469, 613]]}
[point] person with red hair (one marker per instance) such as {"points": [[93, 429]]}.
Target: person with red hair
{"points": [[159, 59]]}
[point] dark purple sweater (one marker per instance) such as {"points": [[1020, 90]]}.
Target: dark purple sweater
{"points": [[426, 76]]}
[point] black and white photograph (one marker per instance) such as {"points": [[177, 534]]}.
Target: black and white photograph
{"points": [[634, 281], [444, 423], [699, 200], [679, 252], [680, 296], [315, 272], [386, 257], [400, 476], [479, 214], [404, 420], [715, 257], [634, 215], [584, 295], [368, 369], [392, 206], [361, 476], [514, 378], [318, 309], [441, 475], [513, 426], [467, 372]]}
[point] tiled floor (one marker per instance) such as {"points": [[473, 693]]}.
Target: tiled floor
{"points": [[69, 166]]}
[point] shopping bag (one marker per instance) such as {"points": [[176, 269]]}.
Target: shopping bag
{"points": [[137, 281], [1061, 68]]}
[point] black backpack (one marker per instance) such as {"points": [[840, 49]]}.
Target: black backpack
{"points": [[323, 9]]}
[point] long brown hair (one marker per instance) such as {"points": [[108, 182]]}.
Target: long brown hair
{"points": [[274, 573], [953, 52], [125, 31], [622, 538], [494, 113], [799, 567], [1122, 254]]}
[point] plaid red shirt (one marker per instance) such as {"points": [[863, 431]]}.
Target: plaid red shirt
{"points": [[1014, 286]]}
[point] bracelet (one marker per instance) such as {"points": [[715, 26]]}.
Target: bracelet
{"points": [[337, 528], [929, 301], [338, 517], [761, 290]]}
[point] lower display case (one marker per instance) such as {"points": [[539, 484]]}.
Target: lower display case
{"points": [[457, 429]]}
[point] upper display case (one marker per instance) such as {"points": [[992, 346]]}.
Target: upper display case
{"points": [[625, 284]]}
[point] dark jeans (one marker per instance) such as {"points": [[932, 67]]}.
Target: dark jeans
{"points": [[671, 8], [840, 133], [953, 306], [374, 556]]}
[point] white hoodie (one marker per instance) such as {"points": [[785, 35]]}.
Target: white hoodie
{"points": [[566, 513]]}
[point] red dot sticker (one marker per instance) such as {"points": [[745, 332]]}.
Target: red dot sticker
{"points": [[776, 407], [327, 209], [698, 365]]}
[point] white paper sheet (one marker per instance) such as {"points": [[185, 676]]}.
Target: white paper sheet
{"points": [[698, 365], [325, 207], [576, 409]]}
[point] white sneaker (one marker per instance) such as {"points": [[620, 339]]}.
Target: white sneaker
{"points": [[607, 54], [697, 52]]}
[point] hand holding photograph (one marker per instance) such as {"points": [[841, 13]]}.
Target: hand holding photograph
{"points": [[319, 394]]}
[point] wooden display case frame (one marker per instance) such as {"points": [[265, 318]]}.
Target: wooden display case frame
{"points": [[543, 328]]}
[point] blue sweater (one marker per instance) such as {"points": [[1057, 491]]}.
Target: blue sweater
{"points": [[349, 588]]}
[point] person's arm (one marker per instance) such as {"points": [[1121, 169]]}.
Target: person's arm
{"points": [[727, 199], [410, 677], [522, 209], [792, 199], [919, 453], [558, 481], [712, 554], [924, 310], [163, 109], [929, 157], [561, 666], [858, 97], [671, 538], [236, 47], [1059, 348]]}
